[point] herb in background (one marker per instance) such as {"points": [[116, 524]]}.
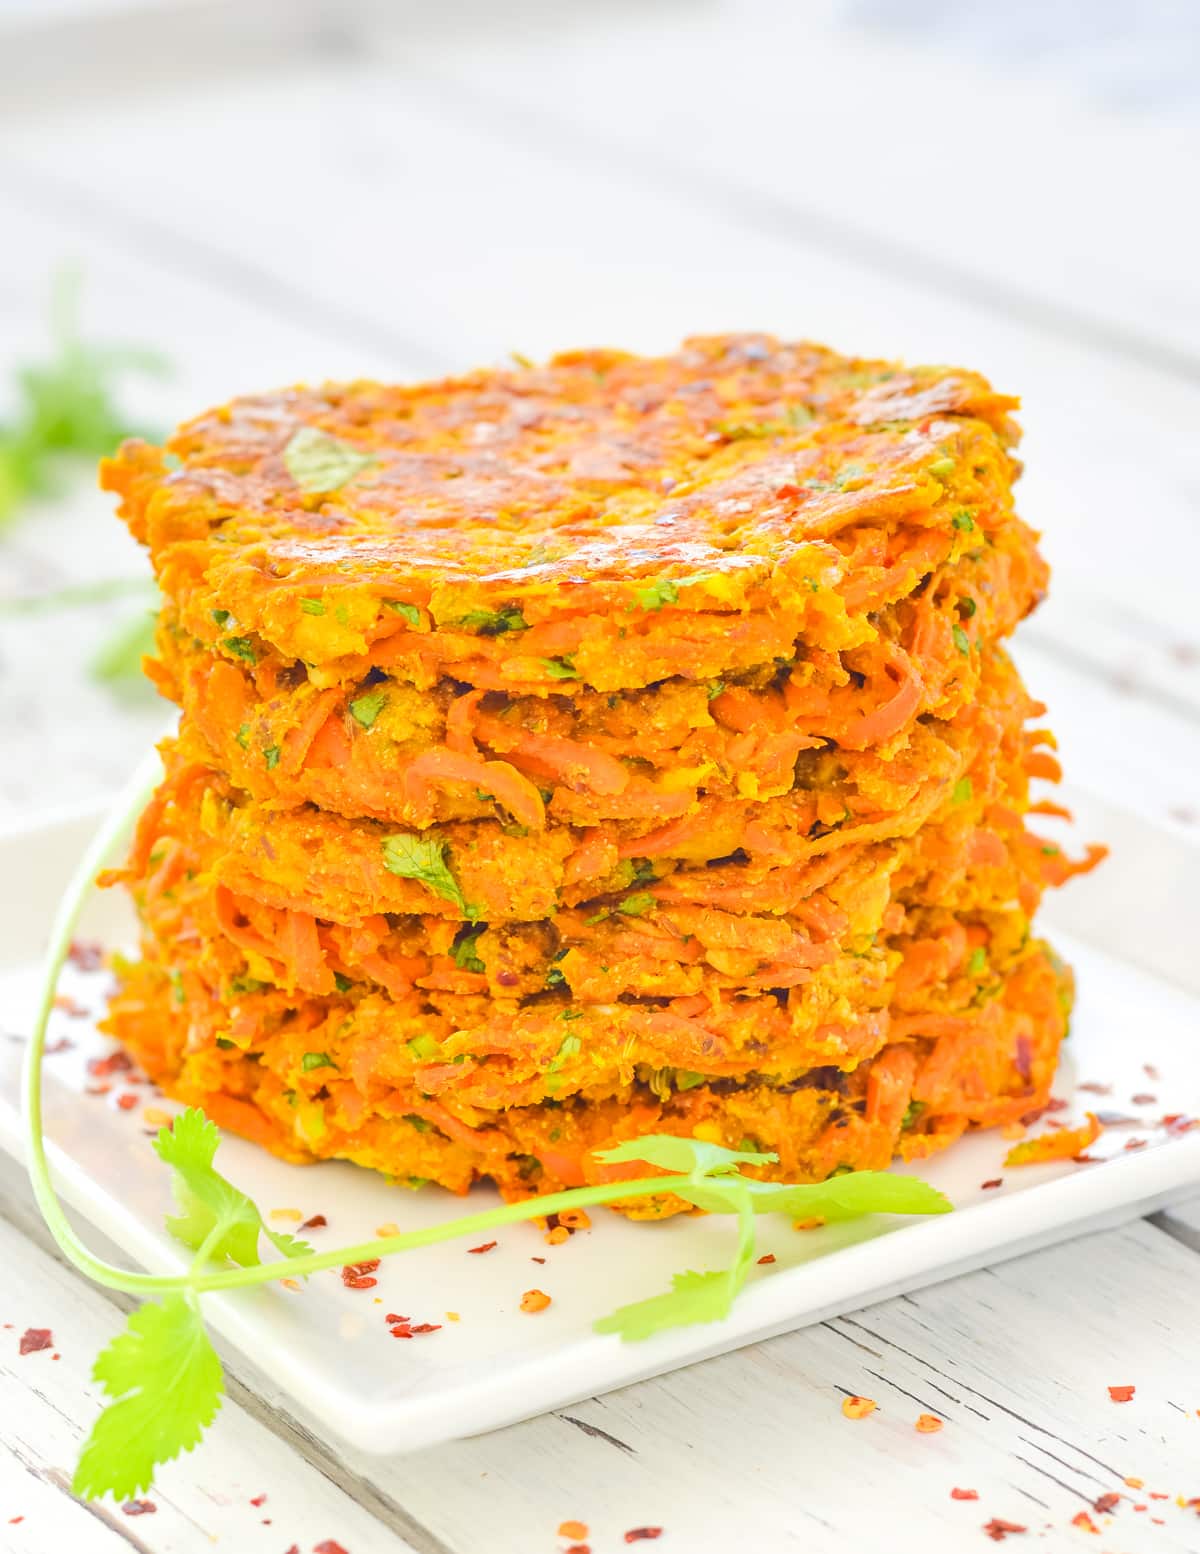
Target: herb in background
{"points": [[67, 407]]}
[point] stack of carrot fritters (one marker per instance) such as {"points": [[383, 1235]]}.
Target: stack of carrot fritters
{"points": [[618, 746]]}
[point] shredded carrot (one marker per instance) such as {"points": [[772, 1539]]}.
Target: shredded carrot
{"points": [[1062, 1144]]}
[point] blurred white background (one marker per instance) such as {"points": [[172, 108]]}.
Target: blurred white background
{"points": [[267, 193]]}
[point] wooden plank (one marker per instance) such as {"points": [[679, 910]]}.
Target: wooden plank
{"points": [[916, 158], [46, 1407], [752, 1450]]}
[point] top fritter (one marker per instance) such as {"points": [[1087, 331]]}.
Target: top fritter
{"points": [[606, 520]]}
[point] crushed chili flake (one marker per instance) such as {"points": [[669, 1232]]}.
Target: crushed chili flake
{"points": [[328, 1547], [70, 1006], [296, 1215], [642, 1534], [60, 1044], [156, 1117], [1093, 1087], [573, 1530], [428, 1327], [767, 1257], [390, 1228], [357, 1276], [995, 1181], [290, 1284], [1143, 1098], [314, 1222], [1150, 1071], [86, 954], [579, 1548], [1121, 1394], [97, 1089], [402, 1330], [537, 1260], [1106, 1503], [13, 1520], [1136, 1483], [393, 1317], [127, 1100], [929, 1424], [453, 1316], [1135, 1143], [486, 1246], [35, 1338], [534, 1300], [118, 1062], [855, 1407], [1156, 1495], [1068, 1144], [1082, 1520], [259, 1500], [964, 1494], [998, 1529], [1057, 1104], [814, 1223], [139, 1508]]}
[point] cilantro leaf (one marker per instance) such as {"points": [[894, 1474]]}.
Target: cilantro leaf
{"points": [[464, 952], [212, 1210], [164, 1379], [409, 611], [656, 594], [846, 1196], [319, 463], [365, 709], [423, 858], [693, 1298], [493, 623], [559, 668]]}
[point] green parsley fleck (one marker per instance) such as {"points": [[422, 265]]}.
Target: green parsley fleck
{"points": [[365, 709], [465, 953], [493, 623], [962, 520], [319, 463], [312, 607], [426, 1049], [685, 1079], [423, 858], [418, 1122], [222, 617], [243, 736], [656, 594], [312, 1060], [977, 961], [241, 647], [961, 641], [941, 467], [409, 611], [638, 904], [559, 668], [555, 978], [962, 792], [343, 984], [715, 687], [225, 1044], [271, 757], [967, 607]]}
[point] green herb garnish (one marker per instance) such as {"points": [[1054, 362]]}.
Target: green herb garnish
{"points": [[312, 1060], [493, 623], [961, 641], [656, 594], [465, 954], [962, 791], [271, 757], [162, 1376], [638, 904], [240, 647], [962, 520], [312, 607], [559, 668], [319, 463], [424, 858], [409, 611], [365, 709]]}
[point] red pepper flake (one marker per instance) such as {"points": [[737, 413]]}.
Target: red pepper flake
{"points": [[68, 1005], [1122, 1395], [643, 1534], [127, 1100], [929, 1424], [579, 1548], [1106, 1503], [402, 1330], [1057, 1104], [964, 1494], [1155, 1495], [1082, 1520], [486, 1246], [767, 1257], [317, 1222], [393, 1317], [573, 1529], [537, 1259], [1150, 1071], [1094, 1088], [86, 954], [428, 1327], [97, 1089], [328, 1547], [35, 1338], [357, 1276], [139, 1508], [1143, 1098], [63, 1044], [998, 1529], [117, 1062], [858, 1408], [13, 1520], [1135, 1143], [259, 1500], [996, 1181]]}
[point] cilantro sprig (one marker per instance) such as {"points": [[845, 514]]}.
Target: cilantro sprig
{"points": [[162, 1376]]}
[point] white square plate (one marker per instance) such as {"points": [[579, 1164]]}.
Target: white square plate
{"points": [[330, 1346]]}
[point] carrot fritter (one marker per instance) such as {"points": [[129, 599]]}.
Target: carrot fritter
{"points": [[989, 1062], [605, 520]]}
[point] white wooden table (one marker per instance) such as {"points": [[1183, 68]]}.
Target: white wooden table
{"points": [[278, 193]]}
